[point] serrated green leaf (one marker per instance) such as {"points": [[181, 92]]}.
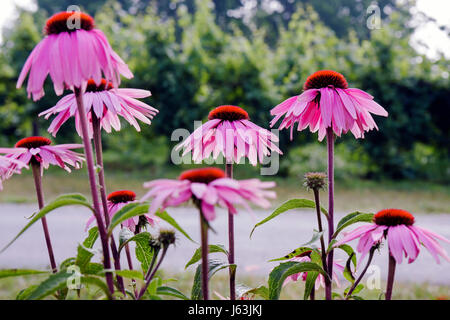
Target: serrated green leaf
{"points": [[6, 273], [169, 291], [288, 205], [213, 267], [53, 283], [284, 270], [64, 200], [144, 253], [93, 268], [352, 218], [130, 274], [84, 255], [166, 217], [212, 248], [128, 211]]}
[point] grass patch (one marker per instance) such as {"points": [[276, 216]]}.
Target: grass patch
{"points": [[414, 196], [10, 287]]}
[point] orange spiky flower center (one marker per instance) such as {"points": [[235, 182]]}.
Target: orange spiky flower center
{"points": [[325, 78], [68, 22], [204, 175], [122, 196], [33, 142], [103, 86], [230, 113], [393, 217]]}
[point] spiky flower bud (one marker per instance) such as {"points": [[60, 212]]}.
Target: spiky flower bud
{"points": [[166, 237], [315, 180]]}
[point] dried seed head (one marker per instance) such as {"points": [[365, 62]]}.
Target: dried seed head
{"points": [[315, 180], [166, 237]]}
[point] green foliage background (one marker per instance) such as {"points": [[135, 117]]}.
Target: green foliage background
{"points": [[196, 55]]}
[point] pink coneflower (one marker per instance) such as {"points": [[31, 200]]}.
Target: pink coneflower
{"points": [[327, 101], [71, 54], [39, 149], [210, 187], [107, 103], [229, 132], [320, 280], [5, 168], [404, 238], [116, 201]]}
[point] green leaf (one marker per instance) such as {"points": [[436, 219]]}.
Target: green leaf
{"points": [[169, 291], [352, 218], [130, 274], [357, 289], [84, 255], [261, 291], [67, 263], [64, 200], [351, 253], [19, 272], [293, 254], [98, 282], [213, 267], [284, 270], [212, 249], [166, 217], [144, 253], [288, 205], [310, 284], [25, 293], [348, 274], [128, 211], [93, 268], [53, 283]]}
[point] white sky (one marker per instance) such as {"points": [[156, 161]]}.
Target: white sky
{"points": [[429, 34]]}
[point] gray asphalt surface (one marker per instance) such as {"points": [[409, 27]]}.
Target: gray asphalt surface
{"points": [[272, 240]]}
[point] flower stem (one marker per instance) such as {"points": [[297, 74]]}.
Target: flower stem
{"points": [[229, 173], [36, 168], [97, 134], [319, 222], [391, 275], [204, 243], [149, 276], [129, 260], [330, 146], [372, 251], [93, 187]]}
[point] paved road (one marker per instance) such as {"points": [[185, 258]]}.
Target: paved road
{"points": [[271, 240]]}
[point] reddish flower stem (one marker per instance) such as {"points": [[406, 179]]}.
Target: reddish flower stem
{"points": [[319, 222], [229, 173], [349, 294], [129, 260], [93, 187], [204, 244], [101, 180], [36, 168], [330, 145], [391, 276]]}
